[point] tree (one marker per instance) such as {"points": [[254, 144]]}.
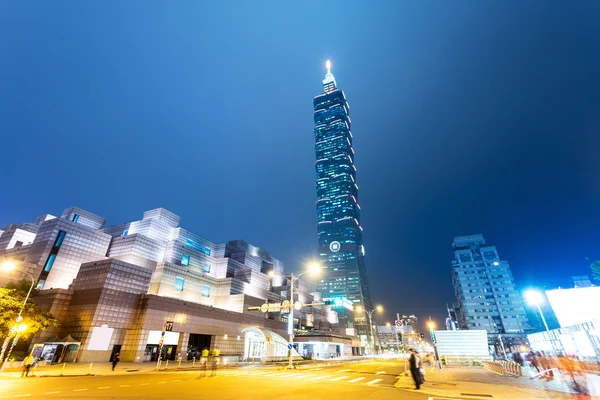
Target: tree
{"points": [[595, 267], [11, 300]]}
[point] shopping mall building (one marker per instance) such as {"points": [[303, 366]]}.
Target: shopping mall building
{"points": [[141, 286]]}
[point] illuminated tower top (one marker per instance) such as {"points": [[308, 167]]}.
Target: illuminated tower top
{"points": [[329, 82]]}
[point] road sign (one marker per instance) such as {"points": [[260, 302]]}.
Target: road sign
{"points": [[399, 323], [285, 306], [160, 342], [264, 308], [290, 346]]}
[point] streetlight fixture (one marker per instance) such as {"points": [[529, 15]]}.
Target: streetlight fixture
{"points": [[378, 308], [534, 298], [313, 268], [8, 266], [431, 326]]}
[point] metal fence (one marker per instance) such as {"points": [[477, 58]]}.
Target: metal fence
{"points": [[503, 367]]}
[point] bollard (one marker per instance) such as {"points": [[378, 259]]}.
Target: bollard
{"points": [[167, 365], [62, 370], [90, 369], [194, 362], [179, 363]]}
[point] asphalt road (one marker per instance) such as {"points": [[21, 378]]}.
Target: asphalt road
{"points": [[372, 380]]}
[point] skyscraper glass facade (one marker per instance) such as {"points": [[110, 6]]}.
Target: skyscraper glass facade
{"points": [[341, 249]]}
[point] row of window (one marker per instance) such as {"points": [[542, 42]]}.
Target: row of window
{"points": [[185, 260], [180, 282]]}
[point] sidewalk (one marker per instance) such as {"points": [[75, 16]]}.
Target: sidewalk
{"points": [[125, 368], [478, 383]]}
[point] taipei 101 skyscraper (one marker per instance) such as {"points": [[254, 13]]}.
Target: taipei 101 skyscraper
{"points": [[341, 249]]}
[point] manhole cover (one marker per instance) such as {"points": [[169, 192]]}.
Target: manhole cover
{"points": [[476, 395], [132, 370]]}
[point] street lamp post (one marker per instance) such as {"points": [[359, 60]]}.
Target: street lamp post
{"points": [[8, 266], [313, 268], [370, 315], [431, 326], [535, 298]]}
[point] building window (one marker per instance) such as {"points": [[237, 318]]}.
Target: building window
{"points": [[205, 291], [179, 281], [40, 284], [206, 268], [126, 232], [185, 259], [60, 238], [75, 217], [207, 251], [49, 262], [189, 243]]}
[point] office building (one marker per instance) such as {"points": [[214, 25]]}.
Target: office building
{"points": [[485, 290], [116, 289], [341, 249]]}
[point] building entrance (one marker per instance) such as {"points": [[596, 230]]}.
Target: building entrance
{"points": [[196, 344]]}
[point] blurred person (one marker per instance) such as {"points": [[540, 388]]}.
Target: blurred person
{"points": [[546, 363], [413, 363], [115, 361], [27, 363], [534, 360]]}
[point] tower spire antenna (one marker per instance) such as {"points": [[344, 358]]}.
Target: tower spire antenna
{"points": [[328, 66]]}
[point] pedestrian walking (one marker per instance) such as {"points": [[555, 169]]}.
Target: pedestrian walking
{"points": [[27, 363], [534, 360], [115, 361], [216, 353], [421, 369], [413, 363]]}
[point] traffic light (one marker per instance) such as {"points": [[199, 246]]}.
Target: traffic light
{"points": [[422, 336], [433, 338]]}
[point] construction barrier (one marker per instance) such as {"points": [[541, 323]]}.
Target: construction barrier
{"points": [[493, 367], [503, 367]]}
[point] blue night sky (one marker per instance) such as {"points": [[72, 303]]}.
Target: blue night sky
{"points": [[468, 117]]}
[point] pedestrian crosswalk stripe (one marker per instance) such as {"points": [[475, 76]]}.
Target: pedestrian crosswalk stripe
{"points": [[322, 377], [356, 380], [302, 376], [374, 381], [337, 379]]}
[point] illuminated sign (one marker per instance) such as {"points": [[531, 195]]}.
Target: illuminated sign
{"points": [[334, 246], [340, 302], [575, 306]]}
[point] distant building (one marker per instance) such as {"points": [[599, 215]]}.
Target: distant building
{"points": [[117, 289], [341, 249], [582, 281], [485, 290]]}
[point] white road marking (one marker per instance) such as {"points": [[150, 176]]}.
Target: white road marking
{"points": [[124, 385], [374, 381], [337, 379], [79, 390], [322, 377], [103, 387], [52, 392], [345, 370], [162, 382], [356, 380], [305, 376], [380, 373], [22, 395]]}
